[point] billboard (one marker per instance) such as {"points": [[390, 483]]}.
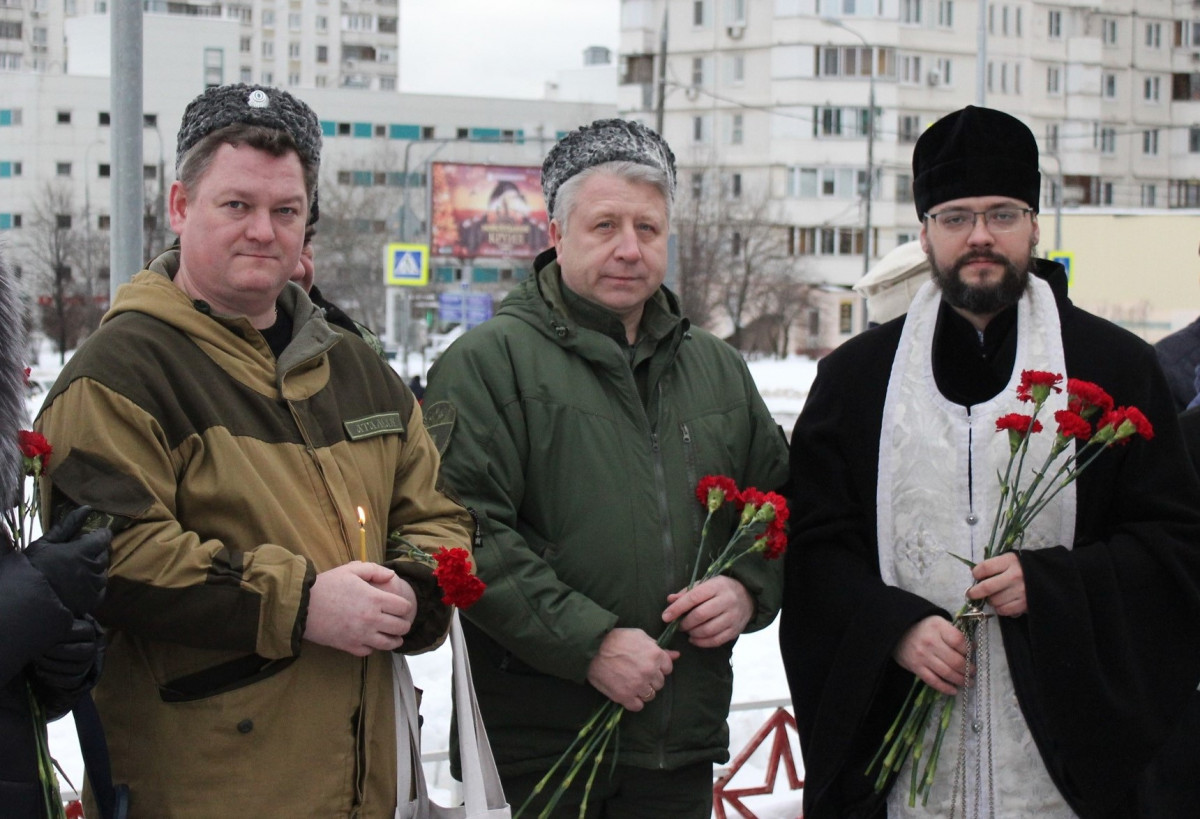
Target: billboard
{"points": [[487, 211]]}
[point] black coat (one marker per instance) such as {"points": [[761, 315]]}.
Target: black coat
{"points": [[1109, 651], [31, 620]]}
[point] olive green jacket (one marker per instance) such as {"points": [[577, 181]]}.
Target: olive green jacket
{"points": [[580, 457], [237, 478]]}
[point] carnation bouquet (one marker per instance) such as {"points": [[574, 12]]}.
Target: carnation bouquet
{"points": [[1085, 429], [22, 521], [761, 529]]}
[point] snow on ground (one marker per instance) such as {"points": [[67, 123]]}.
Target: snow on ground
{"points": [[759, 683]]}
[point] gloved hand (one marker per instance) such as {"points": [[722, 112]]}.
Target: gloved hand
{"points": [[69, 664], [74, 566], [69, 668]]}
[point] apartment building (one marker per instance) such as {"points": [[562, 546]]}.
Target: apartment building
{"points": [[289, 43], [770, 100]]}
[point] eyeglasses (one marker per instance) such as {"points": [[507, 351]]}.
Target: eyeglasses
{"points": [[996, 220]]}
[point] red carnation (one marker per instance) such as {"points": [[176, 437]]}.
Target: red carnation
{"points": [[34, 447], [713, 490], [460, 586], [73, 809], [1086, 398], [1036, 385], [776, 544], [1140, 422], [1018, 423], [1072, 425]]}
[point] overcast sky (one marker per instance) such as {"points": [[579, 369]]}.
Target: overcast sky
{"points": [[498, 48]]}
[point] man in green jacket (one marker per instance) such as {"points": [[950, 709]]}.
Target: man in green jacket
{"points": [[235, 440], [584, 415]]}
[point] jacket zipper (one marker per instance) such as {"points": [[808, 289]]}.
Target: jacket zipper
{"points": [[664, 507]]}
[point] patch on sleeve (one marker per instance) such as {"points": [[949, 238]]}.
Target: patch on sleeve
{"points": [[385, 423], [439, 422]]}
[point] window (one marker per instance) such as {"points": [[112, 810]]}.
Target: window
{"points": [[1017, 21], [64, 118], [387, 83], [294, 19], [293, 50], [698, 72], [942, 71], [910, 69], [1108, 31], [1181, 194], [700, 13], [737, 69], [1052, 138], [245, 44], [246, 74], [735, 12], [1054, 25], [1108, 86], [1149, 196], [701, 129], [1054, 80], [105, 170], [268, 78], [1106, 193], [825, 183], [268, 19], [268, 48], [9, 169], [910, 12], [827, 122], [1151, 88], [322, 54], [735, 185], [1150, 142], [1194, 140], [293, 79], [62, 221], [945, 14], [321, 23], [103, 221], [909, 128], [845, 318], [1108, 140], [149, 120], [150, 172], [62, 168], [1154, 35], [697, 185], [736, 129], [904, 187]]}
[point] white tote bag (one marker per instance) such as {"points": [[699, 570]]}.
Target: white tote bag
{"points": [[483, 797]]}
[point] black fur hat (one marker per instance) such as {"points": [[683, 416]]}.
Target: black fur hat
{"points": [[262, 105], [975, 152]]}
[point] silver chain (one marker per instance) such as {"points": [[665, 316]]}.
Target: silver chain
{"points": [[979, 659]]}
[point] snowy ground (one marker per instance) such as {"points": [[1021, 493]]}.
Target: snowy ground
{"points": [[759, 683]]}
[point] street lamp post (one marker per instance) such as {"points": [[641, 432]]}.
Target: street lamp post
{"points": [[870, 182]]}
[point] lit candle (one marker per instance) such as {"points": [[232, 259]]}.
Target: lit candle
{"points": [[362, 535]]}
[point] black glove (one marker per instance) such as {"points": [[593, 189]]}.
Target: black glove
{"points": [[75, 660], [74, 566]]}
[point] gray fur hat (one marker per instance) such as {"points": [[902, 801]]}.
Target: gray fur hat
{"points": [[605, 140], [262, 105]]}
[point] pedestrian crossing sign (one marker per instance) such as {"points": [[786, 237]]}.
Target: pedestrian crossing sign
{"points": [[1067, 259], [406, 265]]}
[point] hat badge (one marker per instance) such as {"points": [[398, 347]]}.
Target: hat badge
{"points": [[258, 99]]}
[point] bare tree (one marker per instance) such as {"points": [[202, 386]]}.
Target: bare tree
{"points": [[348, 248], [737, 270], [64, 278]]}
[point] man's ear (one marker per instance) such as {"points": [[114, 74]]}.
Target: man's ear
{"points": [[177, 206]]}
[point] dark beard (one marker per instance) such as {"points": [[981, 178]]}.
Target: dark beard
{"points": [[987, 300]]}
